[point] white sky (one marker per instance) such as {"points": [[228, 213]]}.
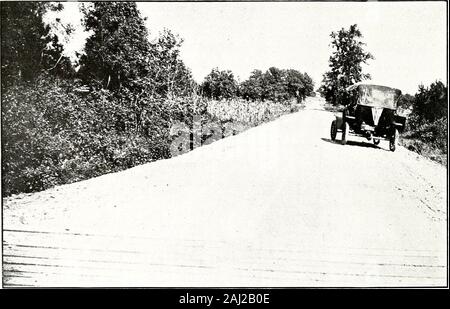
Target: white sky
{"points": [[408, 40]]}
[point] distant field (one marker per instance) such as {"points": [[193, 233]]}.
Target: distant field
{"points": [[226, 118]]}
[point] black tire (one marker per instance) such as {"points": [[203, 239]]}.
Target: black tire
{"points": [[393, 141], [333, 130], [345, 131], [376, 141]]}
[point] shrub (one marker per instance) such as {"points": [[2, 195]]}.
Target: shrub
{"points": [[51, 135], [426, 130], [430, 103]]}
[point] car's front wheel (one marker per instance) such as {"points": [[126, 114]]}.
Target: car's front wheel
{"points": [[393, 141]]}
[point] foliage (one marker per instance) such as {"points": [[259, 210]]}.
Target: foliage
{"points": [[118, 115], [430, 103], [345, 65], [52, 135], [298, 85], [427, 131], [406, 101], [219, 85], [172, 77], [118, 51], [276, 85], [119, 54], [28, 47], [252, 88]]}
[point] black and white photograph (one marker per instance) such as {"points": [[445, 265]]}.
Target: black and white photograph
{"points": [[224, 144]]}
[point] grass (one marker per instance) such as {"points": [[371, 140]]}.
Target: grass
{"points": [[427, 138]]}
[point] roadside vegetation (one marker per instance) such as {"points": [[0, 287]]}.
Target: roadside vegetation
{"points": [[427, 125], [126, 101]]}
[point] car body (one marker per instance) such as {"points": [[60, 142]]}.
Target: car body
{"points": [[371, 112]]}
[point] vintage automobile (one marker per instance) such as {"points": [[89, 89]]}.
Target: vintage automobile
{"points": [[371, 112]]}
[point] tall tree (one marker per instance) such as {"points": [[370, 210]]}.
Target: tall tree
{"points": [[27, 45], [345, 64], [252, 88], [274, 84], [298, 85], [118, 51], [170, 74], [219, 85]]}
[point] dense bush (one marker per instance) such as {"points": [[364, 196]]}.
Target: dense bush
{"points": [[52, 135], [427, 131], [405, 102], [430, 103], [433, 133]]}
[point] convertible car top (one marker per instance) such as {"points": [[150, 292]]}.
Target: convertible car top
{"points": [[375, 95]]}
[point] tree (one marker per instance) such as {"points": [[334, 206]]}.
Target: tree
{"points": [[430, 103], [219, 85], [298, 85], [118, 51], [345, 65], [277, 85], [28, 47], [252, 88], [172, 77], [274, 84]]}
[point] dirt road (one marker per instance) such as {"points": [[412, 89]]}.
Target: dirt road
{"points": [[277, 205]]}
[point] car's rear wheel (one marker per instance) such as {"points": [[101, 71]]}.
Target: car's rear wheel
{"points": [[376, 141], [345, 131], [333, 130], [393, 141]]}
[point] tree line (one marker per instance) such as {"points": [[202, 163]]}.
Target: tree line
{"points": [[275, 85]]}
